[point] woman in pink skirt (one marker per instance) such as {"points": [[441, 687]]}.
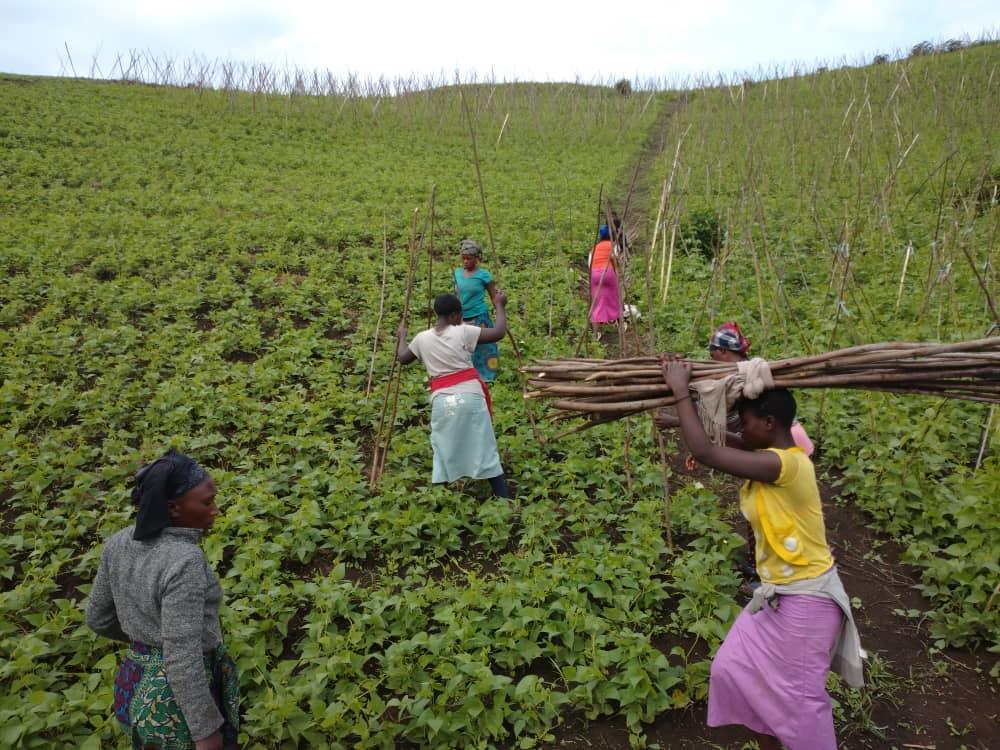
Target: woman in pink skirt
{"points": [[770, 672], [605, 300]]}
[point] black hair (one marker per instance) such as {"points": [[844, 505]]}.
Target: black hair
{"points": [[446, 304], [777, 402]]}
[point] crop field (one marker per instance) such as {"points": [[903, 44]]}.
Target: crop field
{"points": [[203, 269]]}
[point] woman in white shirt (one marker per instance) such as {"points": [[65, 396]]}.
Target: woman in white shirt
{"points": [[461, 413]]}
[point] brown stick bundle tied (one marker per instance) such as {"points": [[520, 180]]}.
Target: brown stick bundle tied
{"points": [[606, 390]]}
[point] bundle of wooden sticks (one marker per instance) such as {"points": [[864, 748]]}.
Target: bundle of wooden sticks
{"points": [[610, 389]]}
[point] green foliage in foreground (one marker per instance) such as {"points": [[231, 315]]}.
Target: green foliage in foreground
{"points": [[202, 269], [183, 269]]}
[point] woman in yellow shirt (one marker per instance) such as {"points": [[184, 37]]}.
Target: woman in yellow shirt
{"points": [[770, 672]]}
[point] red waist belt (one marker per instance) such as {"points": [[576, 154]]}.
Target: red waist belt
{"points": [[454, 378]]}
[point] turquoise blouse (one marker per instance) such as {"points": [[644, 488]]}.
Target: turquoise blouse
{"points": [[472, 291]]}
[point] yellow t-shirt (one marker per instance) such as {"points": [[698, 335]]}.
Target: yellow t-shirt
{"points": [[787, 520]]}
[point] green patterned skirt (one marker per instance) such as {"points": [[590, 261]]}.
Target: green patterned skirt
{"points": [[147, 711]]}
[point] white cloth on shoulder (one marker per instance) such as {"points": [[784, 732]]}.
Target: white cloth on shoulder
{"points": [[846, 659], [716, 398]]}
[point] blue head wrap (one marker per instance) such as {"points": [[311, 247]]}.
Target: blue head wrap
{"points": [[603, 232]]}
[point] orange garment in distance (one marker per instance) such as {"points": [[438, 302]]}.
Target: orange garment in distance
{"points": [[601, 255]]}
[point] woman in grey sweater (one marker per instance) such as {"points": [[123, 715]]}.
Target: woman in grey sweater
{"points": [[176, 688]]}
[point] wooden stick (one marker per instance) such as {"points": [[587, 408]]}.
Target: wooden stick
{"points": [[670, 260], [493, 249], [665, 470], [415, 249], [479, 179], [765, 325], [430, 272], [982, 284], [585, 332], [500, 134], [626, 461], [381, 303], [965, 370], [902, 276], [656, 228], [382, 444], [985, 438], [379, 449], [989, 603], [619, 279]]}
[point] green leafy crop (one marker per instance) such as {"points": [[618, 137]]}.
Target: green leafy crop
{"points": [[201, 269]]}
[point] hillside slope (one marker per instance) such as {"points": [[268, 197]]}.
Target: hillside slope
{"points": [[202, 269]]}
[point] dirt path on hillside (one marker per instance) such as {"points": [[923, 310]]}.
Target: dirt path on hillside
{"points": [[632, 196], [917, 697], [641, 219], [647, 183]]}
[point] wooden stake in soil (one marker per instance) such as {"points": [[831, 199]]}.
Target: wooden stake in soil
{"points": [[626, 449], [670, 260], [430, 272], [479, 179], [585, 331], [619, 281], [902, 276], [499, 264], [665, 469], [381, 447], [381, 303]]}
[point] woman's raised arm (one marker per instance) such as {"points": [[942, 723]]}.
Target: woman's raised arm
{"points": [[499, 330], [761, 466]]}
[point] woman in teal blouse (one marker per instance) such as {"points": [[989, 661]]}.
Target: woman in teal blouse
{"points": [[472, 284]]}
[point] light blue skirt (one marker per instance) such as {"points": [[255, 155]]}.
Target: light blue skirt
{"points": [[462, 438]]}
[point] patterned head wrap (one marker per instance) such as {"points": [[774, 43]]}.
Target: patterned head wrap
{"points": [[156, 484], [471, 247], [729, 336], [603, 233]]}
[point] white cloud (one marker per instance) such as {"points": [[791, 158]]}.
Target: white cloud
{"points": [[860, 16], [521, 39]]}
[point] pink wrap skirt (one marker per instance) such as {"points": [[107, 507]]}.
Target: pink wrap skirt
{"points": [[770, 672], [605, 302]]}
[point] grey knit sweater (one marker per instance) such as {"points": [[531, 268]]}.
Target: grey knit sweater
{"points": [[161, 592]]}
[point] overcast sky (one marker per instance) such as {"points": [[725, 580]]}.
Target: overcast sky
{"points": [[509, 39]]}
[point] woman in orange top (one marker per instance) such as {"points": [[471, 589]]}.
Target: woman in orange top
{"points": [[605, 301]]}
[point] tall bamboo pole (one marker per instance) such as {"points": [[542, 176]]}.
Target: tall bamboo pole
{"points": [[499, 264], [381, 303], [619, 279], [430, 272], [670, 260], [585, 331], [382, 444], [479, 179], [984, 438], [380, 447], [902, 275], [665, 472], [649, 264]]}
